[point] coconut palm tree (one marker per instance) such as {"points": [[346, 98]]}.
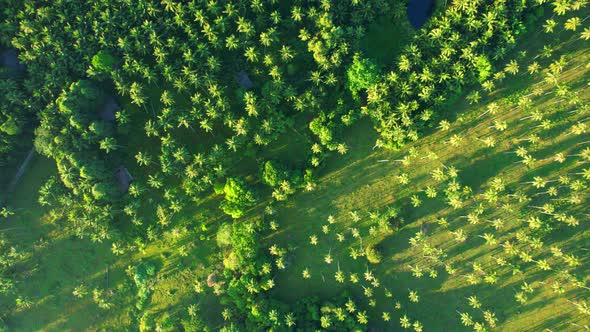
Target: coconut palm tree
{"points": [[362, 317], [405, 322], [108, 144]]}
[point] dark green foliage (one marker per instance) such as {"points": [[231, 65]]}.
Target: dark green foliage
{"points": [[10, 127], [16, 119], [146, 322], [182, 125], [103, 61], [244, 241], [309, 177], [419, 84], [44, 140], [144, 273], [390, 216], [310, 310], [194, 324], [273, 174], [230, 327], [86, 217], [323, 131], [70, 132], [189, 126], [283, 180], [9, 257], [218, 186], [165, 323], [102, 191], [6, 285]]}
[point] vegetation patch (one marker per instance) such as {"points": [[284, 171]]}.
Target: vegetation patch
{"points": [[263, 165]]}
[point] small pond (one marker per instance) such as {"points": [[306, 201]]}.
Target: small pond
{"points": [[419, 11]]}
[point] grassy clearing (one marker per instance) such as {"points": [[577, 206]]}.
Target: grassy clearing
{"points": [[57, 262]]}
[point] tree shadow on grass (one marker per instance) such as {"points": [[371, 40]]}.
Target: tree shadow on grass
{"points": [[429, 207], [483, 167]]}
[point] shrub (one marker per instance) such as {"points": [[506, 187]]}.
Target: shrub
{"points": [[44, 141], [102, 191], [194, 324], [218, 187], [321, 130], [484, 68], [10, 127], [373, 254], [146, 322], [143, 272], [231, 261], [273, 173], [165, 323], [224, 235]]}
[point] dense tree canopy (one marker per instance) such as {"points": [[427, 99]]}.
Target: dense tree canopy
{"points": [[237, 197], [361, 75]]}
